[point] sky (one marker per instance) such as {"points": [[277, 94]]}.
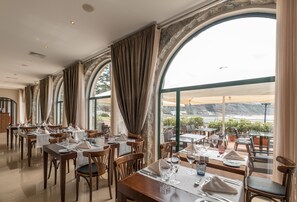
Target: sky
{"points": [[238, 49]]}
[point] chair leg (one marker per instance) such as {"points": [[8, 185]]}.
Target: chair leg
{"points": [[68, 166], [247, 196], [91, 188], [97, 182], [50, 170], [235, 146], [77, 186], [109, 185], [56, 168]]}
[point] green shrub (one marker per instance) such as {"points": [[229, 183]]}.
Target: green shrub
{"points": [[196, 120], [267, 127], [215, 124], [170, 121], [104, 115]]}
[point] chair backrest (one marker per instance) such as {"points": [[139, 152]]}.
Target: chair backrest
{"points": [[127, 165], [100, 158], [166, 149], [60, 136], [136, 147], [95, 134], [287, 167]]}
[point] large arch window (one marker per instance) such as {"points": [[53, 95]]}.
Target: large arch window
{"points": [[59, 105], [100, 98], [224, 73]]}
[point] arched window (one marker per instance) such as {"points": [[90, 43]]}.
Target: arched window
{"points": [[100, 98], [222, 75], [59, 105]]}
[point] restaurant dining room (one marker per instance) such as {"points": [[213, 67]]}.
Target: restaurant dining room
{"points": [[148, 101]]}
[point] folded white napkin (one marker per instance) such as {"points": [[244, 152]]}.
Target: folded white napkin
{"points": [[46, 131], [155, 167], [84, 145], [233, 155], [77, 128], [71, 140], [217, 185]]}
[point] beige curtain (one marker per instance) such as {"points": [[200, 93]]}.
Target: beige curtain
{"points": [[70, 77], [21, 107], [29, 102], [81, 117], [46, 97], [133, 60], [285, 142]]}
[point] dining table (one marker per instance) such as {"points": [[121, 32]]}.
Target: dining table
{"points": [[74, 152], [147, 187], [262, 136], [206, 130]]}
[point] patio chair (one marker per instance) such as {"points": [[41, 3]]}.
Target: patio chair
{"points": [[259, 161], [242, 139], [264, 187]]}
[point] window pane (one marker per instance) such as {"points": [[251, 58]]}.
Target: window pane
{"points": [[103, 112], [239, 49], [92, 114], [101, 86], [168, 117]]}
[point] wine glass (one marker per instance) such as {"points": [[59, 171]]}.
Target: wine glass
{"points": [[175, 164], [165, 170], [191, 159]]}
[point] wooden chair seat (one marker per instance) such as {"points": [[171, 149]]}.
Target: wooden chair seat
{"points": [[265, 185], [85, 169]]}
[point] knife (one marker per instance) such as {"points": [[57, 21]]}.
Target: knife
{"points": [[146, 172]]}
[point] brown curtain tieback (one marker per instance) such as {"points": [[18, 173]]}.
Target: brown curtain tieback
{"points": [[134, 136]]}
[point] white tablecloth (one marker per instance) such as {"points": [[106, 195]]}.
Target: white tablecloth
{"points": [[187, 184]]}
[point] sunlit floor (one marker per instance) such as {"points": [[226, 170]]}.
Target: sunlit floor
{"points": [[20, 183]]}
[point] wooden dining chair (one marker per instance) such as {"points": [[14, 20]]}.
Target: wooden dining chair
{"points": [[167, 149], [54, 162], [98, 165], [126, 165], [264, 187], [114, 154], [136, 147]]}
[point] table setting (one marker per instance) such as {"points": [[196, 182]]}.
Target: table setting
{"points": [[206, 186]]}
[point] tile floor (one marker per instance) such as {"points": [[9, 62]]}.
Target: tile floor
{"points": [[20, 183]]}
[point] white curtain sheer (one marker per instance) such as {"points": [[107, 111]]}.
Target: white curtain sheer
{"points": [[285, 142]]}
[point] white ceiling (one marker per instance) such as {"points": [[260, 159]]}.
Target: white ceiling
{"points": [[33, 24]]}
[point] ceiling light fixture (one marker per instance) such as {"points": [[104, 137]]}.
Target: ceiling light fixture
{"points": [[88, 8], [72, 22], [46, 47]]}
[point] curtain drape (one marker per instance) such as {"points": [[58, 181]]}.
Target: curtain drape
{"points": [[285, 140], [29, 102], [46, 97], [74, 95], [70, 77], [133, 60]]}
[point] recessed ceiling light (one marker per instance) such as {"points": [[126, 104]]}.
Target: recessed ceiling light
{"points": [[88, 8], [46, 47], [72, 22]]}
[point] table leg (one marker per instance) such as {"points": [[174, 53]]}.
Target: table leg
{"points": [[7, 134], [29, 151], [45, 164], [22, 147], [11, 138], [121, 197], [62, 178]]}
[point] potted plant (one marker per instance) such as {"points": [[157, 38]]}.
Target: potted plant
{"points": [[231, 128]]}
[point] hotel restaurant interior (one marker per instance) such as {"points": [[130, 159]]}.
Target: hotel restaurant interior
{"points": [[134, 100]]}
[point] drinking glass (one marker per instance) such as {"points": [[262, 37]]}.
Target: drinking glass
{"points": [[221, 149], [165, 171], [175, 163], [191, 159]]}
